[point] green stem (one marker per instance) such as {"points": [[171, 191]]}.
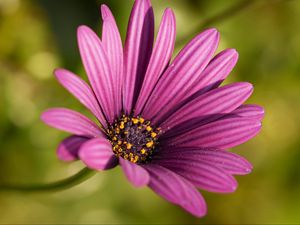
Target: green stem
{"points": [[66, 183]]}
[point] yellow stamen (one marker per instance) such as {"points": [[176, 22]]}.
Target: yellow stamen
{"points": [[153, 134], [150, 144], [148, 128], [134, 120], [129, 146]]}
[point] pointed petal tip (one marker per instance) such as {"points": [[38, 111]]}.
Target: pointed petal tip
{"points": [[44, 115], [105, 12], [170, 15], [58, 72], [231, 53], [199, 211], [213, 32], [82, 29], [169, 11], [234, 186], [260, 111], [247, 86], [241, 87]]}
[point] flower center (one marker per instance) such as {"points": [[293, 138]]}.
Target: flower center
{"points": [[133, 138]]}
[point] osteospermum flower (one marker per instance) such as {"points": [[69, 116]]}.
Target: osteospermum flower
{"points": [[168, 125]]}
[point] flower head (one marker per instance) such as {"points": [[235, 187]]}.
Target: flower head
{"points": [[168, 125]]}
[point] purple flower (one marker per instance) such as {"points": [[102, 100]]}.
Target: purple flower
{"points": [[168, 125]]}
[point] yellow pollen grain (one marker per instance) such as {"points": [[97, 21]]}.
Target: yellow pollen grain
{"points": [[153, 134], [148, 128], [129, 146], [150, 144], [122, 125], [142, 120], [134, 120], [136, 158], [143, 151]]}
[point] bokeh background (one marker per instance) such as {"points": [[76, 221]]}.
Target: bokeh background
{"points": [[37, 36]]}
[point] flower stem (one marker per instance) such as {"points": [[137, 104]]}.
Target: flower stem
{"points": [[66, 183]]}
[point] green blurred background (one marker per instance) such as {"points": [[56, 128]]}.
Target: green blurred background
{"points": [[37, 36]]}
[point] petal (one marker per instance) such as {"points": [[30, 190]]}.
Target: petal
{"points": [[136, 174], [137, 52], [96, 64], [71, 121], [201, 174], [181, 75], [222, 134], [208, 107], [81, 90], [249, 111], [161, 56], [176, 189], [112, 44], [215, 73], [69, 147], [231, 163], [97, 154]]}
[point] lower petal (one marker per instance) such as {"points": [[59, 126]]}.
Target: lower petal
{"points": [[97, 154], [69, 147], [136, 174], [176, 189], [201, 174]]}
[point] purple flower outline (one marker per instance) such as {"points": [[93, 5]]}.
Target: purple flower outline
{"points": [[198, 120]]}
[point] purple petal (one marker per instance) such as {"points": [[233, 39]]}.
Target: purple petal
{"points": [[96, 64], [208, 107], [222, 134], [215, 73], [71, 121], [181, 75], [97, 154], [112, 44], [69, 147], [231, 163], [203, 175], [176, 189], [81, 90], [162, 53], [137, 52], [136, 174], [249, 111]]}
